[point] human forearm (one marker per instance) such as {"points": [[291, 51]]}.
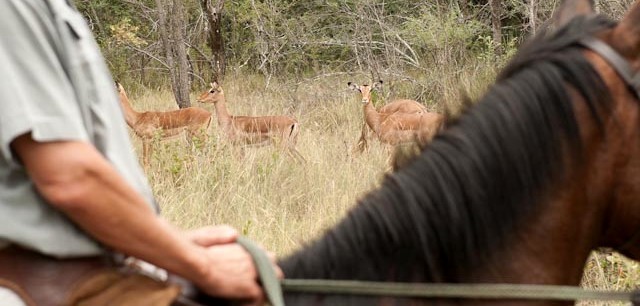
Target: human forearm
{"points": [[75, 178]]}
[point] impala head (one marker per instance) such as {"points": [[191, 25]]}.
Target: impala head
{"points": [[213, 95], [365, 90], [122, 94]]}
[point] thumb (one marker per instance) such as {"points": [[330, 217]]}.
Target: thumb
{"points": [[212, 235]]}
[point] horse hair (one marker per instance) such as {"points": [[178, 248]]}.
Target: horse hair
{"points": [[465, 195]]}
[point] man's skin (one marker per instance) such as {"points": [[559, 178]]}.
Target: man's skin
{"points": [[77, 180]]}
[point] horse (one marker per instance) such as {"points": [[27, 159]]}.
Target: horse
{"points": [[519, 188]]}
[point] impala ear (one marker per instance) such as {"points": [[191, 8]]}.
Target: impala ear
{"points": [[353, 86], [377, 85], [214, 84], [628, 30], [570, 9]]}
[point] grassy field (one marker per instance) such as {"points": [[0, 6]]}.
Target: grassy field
{"points": [[267, 194], [282, 203]]}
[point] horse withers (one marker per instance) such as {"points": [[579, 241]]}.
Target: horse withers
{"points": [[518, 189]]}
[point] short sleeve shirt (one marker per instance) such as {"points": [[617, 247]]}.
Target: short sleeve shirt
{"points": [[55, 85]]}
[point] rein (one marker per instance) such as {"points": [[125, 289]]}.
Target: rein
{"points": [[274, 287]]}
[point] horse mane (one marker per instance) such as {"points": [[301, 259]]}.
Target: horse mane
{"points": [[465, 195]]}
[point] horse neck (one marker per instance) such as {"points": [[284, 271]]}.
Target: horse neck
{"points": [[130, 114], [371, 116], [536, 257], [559, 237], [550, 248], [531, 257]]}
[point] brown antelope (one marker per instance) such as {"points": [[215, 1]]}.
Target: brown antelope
{"points": [[194, 121], [400, 121], [405, 106], [261, 130]]}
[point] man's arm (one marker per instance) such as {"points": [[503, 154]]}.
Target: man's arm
{"points": [[75, 178]]}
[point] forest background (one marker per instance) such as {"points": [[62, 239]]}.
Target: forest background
{"points": [[295, 57], [184, 44]]}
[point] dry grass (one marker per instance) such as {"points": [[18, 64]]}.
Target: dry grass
{"points": [[264, 192], [282, 203]]}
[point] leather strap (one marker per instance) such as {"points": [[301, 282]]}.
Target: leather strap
{"points": [[619, 63]]}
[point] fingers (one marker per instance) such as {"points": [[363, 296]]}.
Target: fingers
{"points": [[276, 268], [255, 295], [271, 255], [232, 273], [212, 235], [258, 302], [279, 272]]}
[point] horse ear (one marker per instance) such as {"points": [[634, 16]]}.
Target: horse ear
{"points": [[570, 9], [353, 86], [628, 29]]}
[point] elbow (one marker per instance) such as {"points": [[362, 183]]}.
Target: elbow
{"points": [[69, 188], [65, 173]]}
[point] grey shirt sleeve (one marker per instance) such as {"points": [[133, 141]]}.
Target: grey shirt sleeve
{"points": [[35, 92]]}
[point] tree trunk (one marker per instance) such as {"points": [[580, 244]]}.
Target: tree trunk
{"points": [[181, 81], [172, 36], [213, 13], [496, 25], [95, 18], [533, 28]]}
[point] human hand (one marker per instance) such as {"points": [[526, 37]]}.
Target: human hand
{"points": [[211, 235], [220, 234], [232, 274]]}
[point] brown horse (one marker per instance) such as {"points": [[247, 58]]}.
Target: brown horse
{"points": [[519, 189]]}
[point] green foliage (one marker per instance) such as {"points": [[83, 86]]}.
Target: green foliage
{"points": [[433, 32], [124, 33], [302, 39]]}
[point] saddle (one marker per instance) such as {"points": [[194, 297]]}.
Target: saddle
{"points": [[95, 281]]}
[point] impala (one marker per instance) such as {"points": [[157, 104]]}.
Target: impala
{"points": [[260, 130], [400, 121], [194, 121], [405, 106]]}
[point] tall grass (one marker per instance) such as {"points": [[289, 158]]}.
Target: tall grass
{"points": [[282, 203], [269, 196]]}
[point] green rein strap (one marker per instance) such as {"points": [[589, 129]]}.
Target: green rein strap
{"points": [[273, 287], [268, 278]]}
